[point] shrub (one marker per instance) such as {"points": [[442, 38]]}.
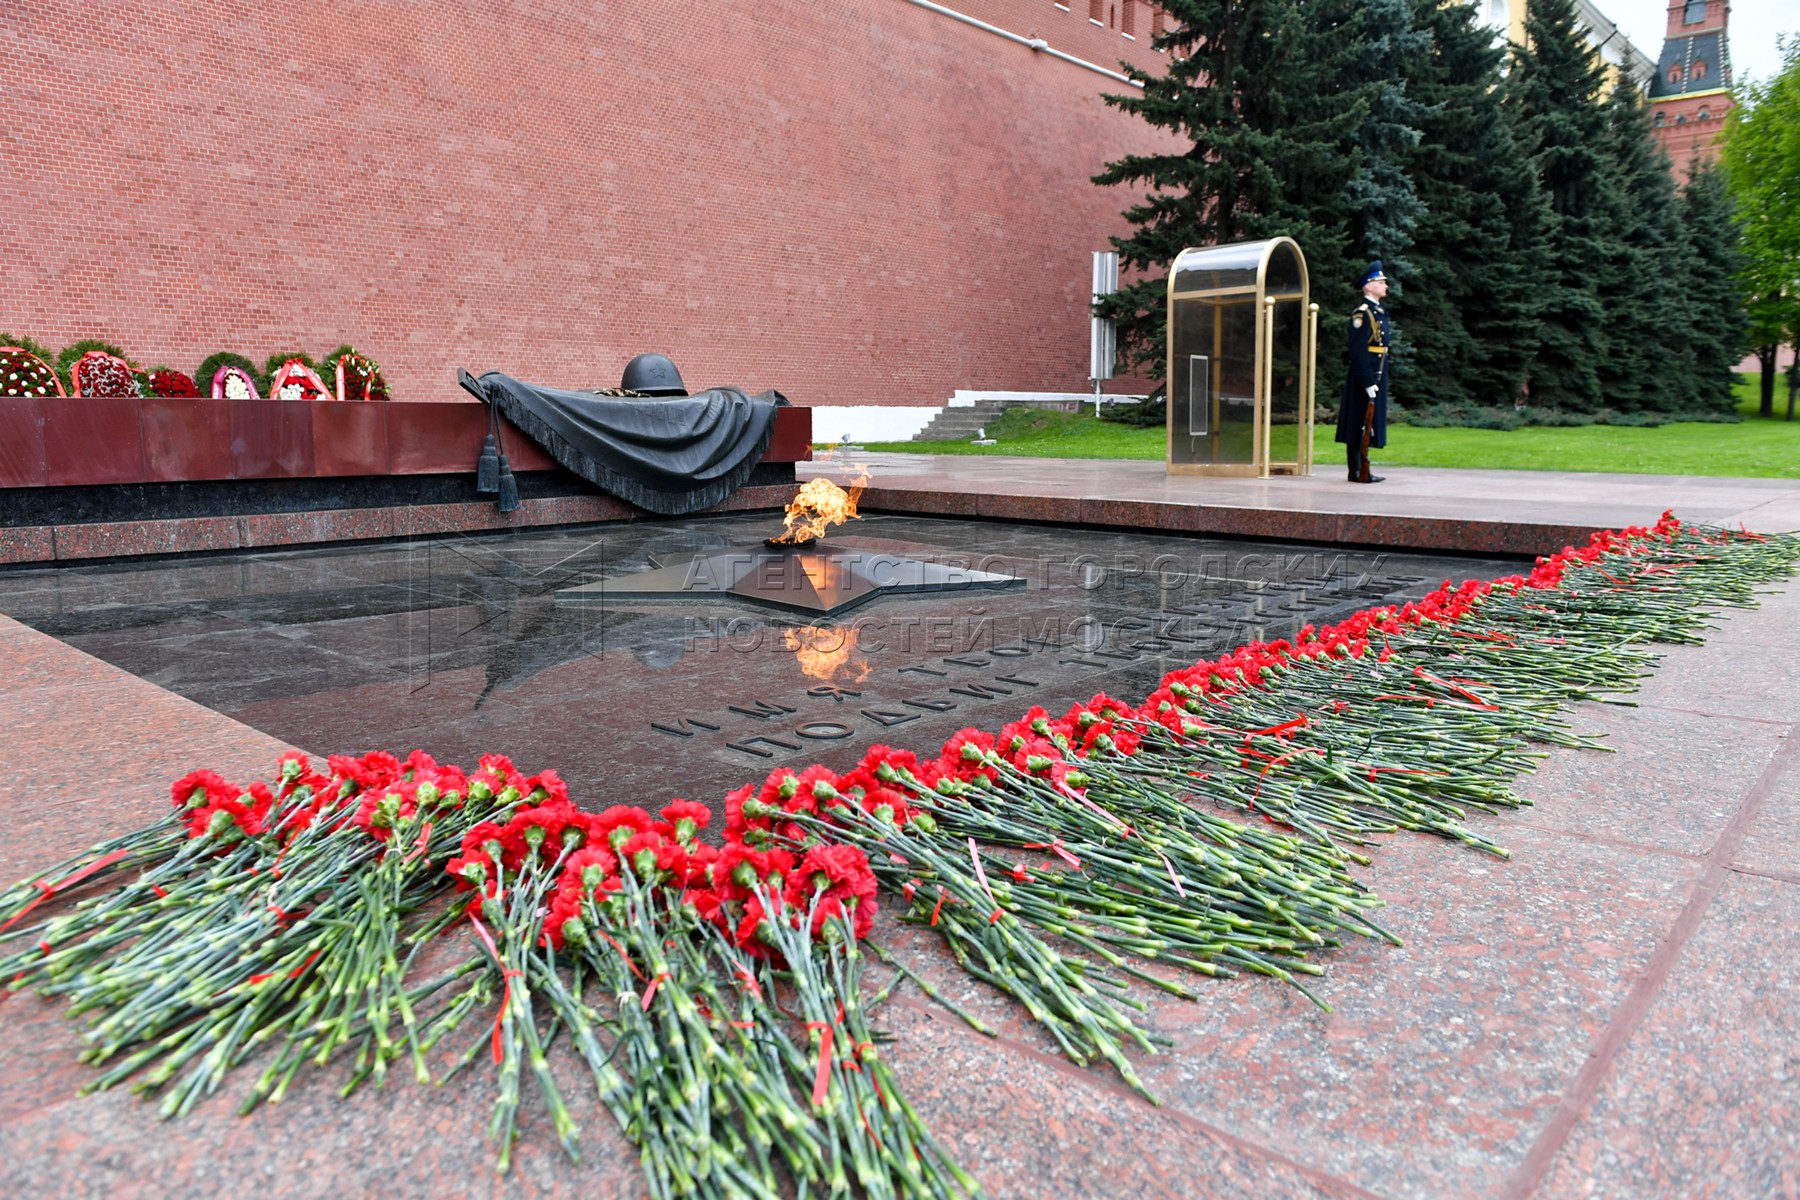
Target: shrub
{"points": [[1147, 413], [1469, 416], [1555, 418]]}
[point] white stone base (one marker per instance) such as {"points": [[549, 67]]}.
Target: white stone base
{"points": [[967, 399], [834, 423]]}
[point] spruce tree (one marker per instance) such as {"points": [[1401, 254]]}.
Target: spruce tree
{"points": [[1555, 84], [1476, 258], [1650, 321], [1252, 87], [1714, 294], [1381, 201], [1381, 207]]}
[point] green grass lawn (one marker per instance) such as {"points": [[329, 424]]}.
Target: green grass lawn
{"points": [[1754, 447]]}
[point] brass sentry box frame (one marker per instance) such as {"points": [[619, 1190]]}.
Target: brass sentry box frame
{"points": [[1242, 345]]}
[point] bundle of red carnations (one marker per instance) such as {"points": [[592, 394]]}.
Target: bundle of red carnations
{"points": [[724, 1090], [284, 919], [1400, 718], [715, 995], [266, 914]]}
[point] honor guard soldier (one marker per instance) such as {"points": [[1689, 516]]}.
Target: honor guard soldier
{"points": [[1362, 416]]}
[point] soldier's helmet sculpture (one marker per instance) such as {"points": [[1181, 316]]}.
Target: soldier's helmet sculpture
{"points": [[652, 375]]}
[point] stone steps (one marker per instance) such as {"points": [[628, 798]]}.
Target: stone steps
{"points": [[959, 423]]}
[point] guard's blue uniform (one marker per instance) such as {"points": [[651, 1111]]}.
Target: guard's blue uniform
{"points": [[1370, 332], [1369, 335]]}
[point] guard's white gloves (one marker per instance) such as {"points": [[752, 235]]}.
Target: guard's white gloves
{"points": [[1372, 392]]}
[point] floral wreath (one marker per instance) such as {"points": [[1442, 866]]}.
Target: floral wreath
{"points": [[297, 381], [170, 383], [358, 376], [98, 373], [234, 383], [23, 373]]}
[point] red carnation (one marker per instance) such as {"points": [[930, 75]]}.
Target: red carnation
{"points": [[546, 787], [619, 824], [685, 818], [588, 867], [736, 823], [708, 906], [781, 786], [653, 858], [839, 878], [965, 755], [753, 935], [814, 786], [197, 787], [701, 858], [887, 805], [740, 868]]}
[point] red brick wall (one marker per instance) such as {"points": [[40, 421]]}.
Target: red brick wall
{"points": [[853, 200]]}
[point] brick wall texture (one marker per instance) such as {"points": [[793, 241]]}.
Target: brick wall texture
{"points": [[855, 201], [1690, 140]]}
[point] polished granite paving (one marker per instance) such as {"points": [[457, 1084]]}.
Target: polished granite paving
{"points": [[1415, 508], [1610, 1013], [459, 645]]}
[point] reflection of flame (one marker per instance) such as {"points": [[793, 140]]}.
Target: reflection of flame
{"points": [[820, 505], [824, 650]]}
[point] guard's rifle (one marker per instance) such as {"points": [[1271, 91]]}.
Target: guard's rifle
{"points": [[1364, 474]]}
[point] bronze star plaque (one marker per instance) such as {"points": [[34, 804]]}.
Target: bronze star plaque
{"points": [[813, 581]]}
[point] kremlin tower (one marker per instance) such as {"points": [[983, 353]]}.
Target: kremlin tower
{"points": [[1689, 94]]}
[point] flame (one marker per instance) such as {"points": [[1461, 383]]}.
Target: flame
{"points": [[824, 650], [820, 505]]}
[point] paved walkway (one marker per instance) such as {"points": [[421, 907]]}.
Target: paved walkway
{"points": [[1610, 1013], [1418, 508]]}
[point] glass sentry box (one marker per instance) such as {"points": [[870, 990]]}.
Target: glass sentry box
{"points": [[1243, 337]]}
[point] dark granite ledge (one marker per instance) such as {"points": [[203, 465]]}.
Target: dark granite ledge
{"points": [[183, 535], [99, 503]]}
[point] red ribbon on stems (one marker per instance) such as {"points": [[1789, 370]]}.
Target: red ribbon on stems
{"points": [[47, 890], [507, 975], [1056, 847], [822, 1078], [981, 875], [1477, 701], [296, 973], [423, 843]]}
